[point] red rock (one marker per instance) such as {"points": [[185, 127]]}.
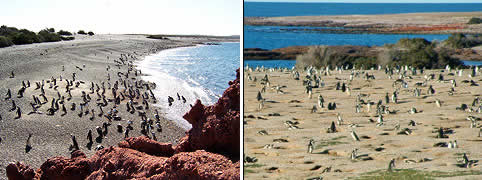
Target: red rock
{"points": [[206, 152], [19, 171], [149, 146], [215, 128]]}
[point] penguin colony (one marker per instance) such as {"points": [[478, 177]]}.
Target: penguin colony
{"points": [[360, 120]]}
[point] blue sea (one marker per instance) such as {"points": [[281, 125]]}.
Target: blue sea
{"points": [[273, 37], [199, 72], [270, 9]]}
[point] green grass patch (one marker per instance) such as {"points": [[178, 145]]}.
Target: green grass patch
{"points": [[323, 144], [412, 174], [254, 165]]}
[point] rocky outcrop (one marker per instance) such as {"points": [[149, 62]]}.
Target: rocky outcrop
{"points": [[210, 150], [215, 128]]}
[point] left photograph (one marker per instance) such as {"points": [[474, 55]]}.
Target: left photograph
{"points": [[120, 90]]}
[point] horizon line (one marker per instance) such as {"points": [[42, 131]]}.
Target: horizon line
{"points": [[365, 2]]}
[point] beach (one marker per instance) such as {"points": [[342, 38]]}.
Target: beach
{"points": [[91, 58], [277, 134]]}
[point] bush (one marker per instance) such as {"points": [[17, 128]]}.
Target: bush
{"points": [[25, 37], [81, 32], [68, 38], [475, 20], [323, 56], [459, 40], [5, 42], [47, 36], [91, 33], [64, 33], [419, 58], [415, 43], [8, 31]]}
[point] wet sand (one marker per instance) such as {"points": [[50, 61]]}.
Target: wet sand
{"points": [[377, 145], [51, 134]]}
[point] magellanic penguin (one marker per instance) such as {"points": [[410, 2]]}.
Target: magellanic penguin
{"points": [[311, 146]]}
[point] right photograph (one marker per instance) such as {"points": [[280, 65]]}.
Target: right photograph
{"points": [[355, 89]]}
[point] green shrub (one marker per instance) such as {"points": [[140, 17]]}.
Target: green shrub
{"points": [[68, 38], [5, 42], [47, 36], [81, 32], [91, 33], [8, 31], [415, 43], [64, 33], [25, 37], [475, 20], [459, 40], [419, 58]]}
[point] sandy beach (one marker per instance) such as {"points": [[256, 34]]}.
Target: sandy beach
{"points": [[41, 62], [278, 134]]}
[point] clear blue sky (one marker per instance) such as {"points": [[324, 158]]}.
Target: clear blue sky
{"points": [[375, 1], [207, 17]]}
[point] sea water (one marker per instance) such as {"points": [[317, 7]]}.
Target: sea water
{"points": [[199, 72]]}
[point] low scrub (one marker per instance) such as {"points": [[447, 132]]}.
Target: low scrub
{"points": [[475, 20], [64, 33], [417, 52], [5, 42], [90, 33], [462, 41], [81, 32], [47, 35], [67, 38], [348, 56], [25, 37]]}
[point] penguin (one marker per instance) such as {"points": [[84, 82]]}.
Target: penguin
{"points": [[28, 145], [391, 165], [14, 106], [354, 135], [9, 94], [310, 146], [12, 75], [74, 142], [19, 113], [183, 99], [119, 128], [259, 97], [89, 136]]}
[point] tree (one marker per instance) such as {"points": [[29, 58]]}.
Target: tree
{"points": [[91, 33]]}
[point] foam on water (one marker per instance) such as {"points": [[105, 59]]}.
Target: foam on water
{"points": [[200, 72]]}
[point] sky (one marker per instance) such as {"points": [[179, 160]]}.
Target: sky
{"points": [[375, 1], [199, 17]]}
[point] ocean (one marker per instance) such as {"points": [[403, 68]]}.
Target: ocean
{"points": [[270, 9], [198, 72], [273, 37]]}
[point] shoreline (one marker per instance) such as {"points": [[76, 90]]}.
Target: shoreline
{"points": [[51, 134], [177, 118], [412, 23]]}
